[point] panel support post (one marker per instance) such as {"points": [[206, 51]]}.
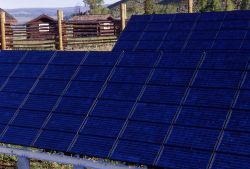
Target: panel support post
{"points": [[123, 14], [3, 37], [60, 35], [23, 163], [190, 6]]}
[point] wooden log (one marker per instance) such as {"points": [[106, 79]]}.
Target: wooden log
{"points": [[123, 14], [190, 6], [3, 37], [60, 35]]}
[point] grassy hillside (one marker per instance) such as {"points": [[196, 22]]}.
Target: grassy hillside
{"points": [[137, 7]]}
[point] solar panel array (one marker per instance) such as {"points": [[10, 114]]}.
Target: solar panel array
{"points": [[174, 110], [171, 109], [198, 31]]}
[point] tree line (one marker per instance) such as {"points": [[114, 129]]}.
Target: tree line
{"points": [[158, 6]]}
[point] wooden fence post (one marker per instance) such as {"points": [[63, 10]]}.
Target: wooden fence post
{"points": [[3, 37], [190, 6], [123, 14], [60, 35]]}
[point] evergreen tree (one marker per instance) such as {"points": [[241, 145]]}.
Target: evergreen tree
{"points": [[96, 6], [245, 4], [202, 5], [214, 5], [229, 5], [148, 6]]}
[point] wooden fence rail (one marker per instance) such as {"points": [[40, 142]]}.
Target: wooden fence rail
{"points": [[59, 35]]}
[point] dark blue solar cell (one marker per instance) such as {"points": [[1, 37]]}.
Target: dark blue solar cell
{"points": [[182, 26], [32, 119], [246, 84], [54, 140], [65, 123], [231, 34], [154, 112], [105, 127], [139, 59], [212, 78], [128, 92], [199, 45], [162, 27], [136, 27], [240, 120], [3, 80], [42, 103], [238, 14], [84, 89], [19, 136], [125, 45], [38, 57], [50, 87], [246, 45], [88, 73], [228, 161], [227, 44], [135, 152], [59, 72], [6, 114], [93, 146], [1, 128], [68, 58], [161, 94], [171, 77], [131, 75], [153, 36], [73, 105], [248, 35], [130, 36], [11, 100], [172, 45], [180, 60], [193, 137], [148, 45], [163, 18], [243, 100], [237, 24], [210, 97], [177, 35], [6, 69], [145, 132], [140, 18], [183, 158], [202, 117], [11, 56], [225, 61], [186, 17], [203, 35], [113, 109], [212, 16], [20, 85], [102, 58], [28, 71], [235, 142], [208, 26]]}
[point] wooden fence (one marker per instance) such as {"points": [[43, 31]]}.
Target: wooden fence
{"points": [[73, 34]]}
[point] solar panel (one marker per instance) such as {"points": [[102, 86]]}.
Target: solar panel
{"points": [[175, 97], [217, 30]]}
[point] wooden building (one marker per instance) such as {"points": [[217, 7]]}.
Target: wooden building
{"points": [[92, 25], [9, 19], [41, 28]]}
